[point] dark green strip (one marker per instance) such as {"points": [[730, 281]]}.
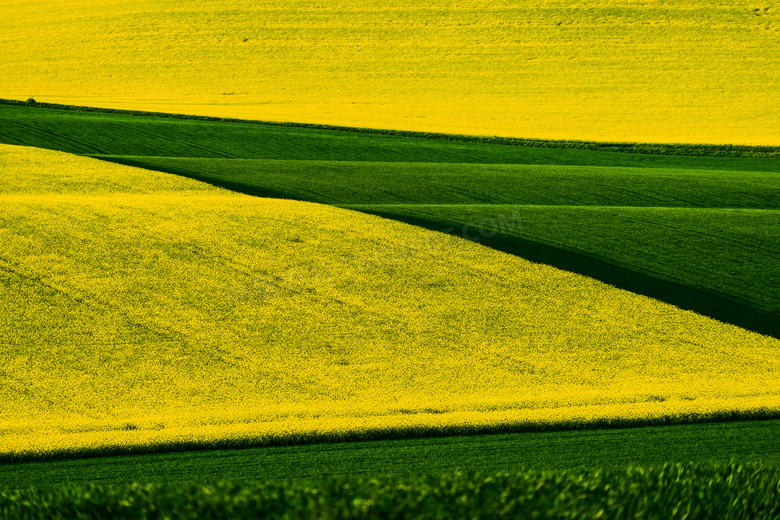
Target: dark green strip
{"points": [[642, 148], [746, 441]]}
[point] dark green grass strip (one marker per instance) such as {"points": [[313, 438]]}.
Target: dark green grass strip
{"points": [[679, 491], [342, 182], [73, 130], [742, 441]]}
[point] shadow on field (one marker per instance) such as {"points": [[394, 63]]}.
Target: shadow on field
{"points": [[707, 303]]}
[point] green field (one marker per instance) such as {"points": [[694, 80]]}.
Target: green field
{"points": [[666, 492], [744, 442], [117, 132]]}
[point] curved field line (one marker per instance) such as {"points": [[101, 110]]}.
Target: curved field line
{"points": [[723, 307], [648, 198]]}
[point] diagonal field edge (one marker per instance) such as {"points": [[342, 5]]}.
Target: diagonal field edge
{"points": [[687, 297], [696, 299]]}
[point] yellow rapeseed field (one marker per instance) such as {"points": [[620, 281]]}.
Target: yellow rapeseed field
{"points": [[630, 70], [141, 308]]}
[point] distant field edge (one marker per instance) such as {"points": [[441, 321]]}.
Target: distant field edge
{"points": [[689, 149], [138, 440]]}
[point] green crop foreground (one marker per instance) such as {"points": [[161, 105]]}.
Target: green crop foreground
{"points": [[667, 492]]}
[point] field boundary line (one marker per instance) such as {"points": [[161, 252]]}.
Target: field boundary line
{"points": [[57, 446], [689, 149]]}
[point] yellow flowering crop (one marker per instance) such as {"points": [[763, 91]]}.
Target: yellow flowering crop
{"points": [[138, 308], [674, 71]]}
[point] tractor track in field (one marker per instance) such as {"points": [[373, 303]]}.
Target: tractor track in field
{"points": [[85, 298], [157, 136], [56, 137], [752, 248]]}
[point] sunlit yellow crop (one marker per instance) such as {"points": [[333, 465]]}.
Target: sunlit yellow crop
{"points": [[672, 71], [139, 307]]}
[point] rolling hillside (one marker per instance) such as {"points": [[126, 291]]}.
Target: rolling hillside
{"points": [[705, 240], [684, 72], [145, 309], [697, 231]]}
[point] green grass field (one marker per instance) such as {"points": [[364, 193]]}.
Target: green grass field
{"points": [[673, 491], [744, 442], [165, 135]]}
